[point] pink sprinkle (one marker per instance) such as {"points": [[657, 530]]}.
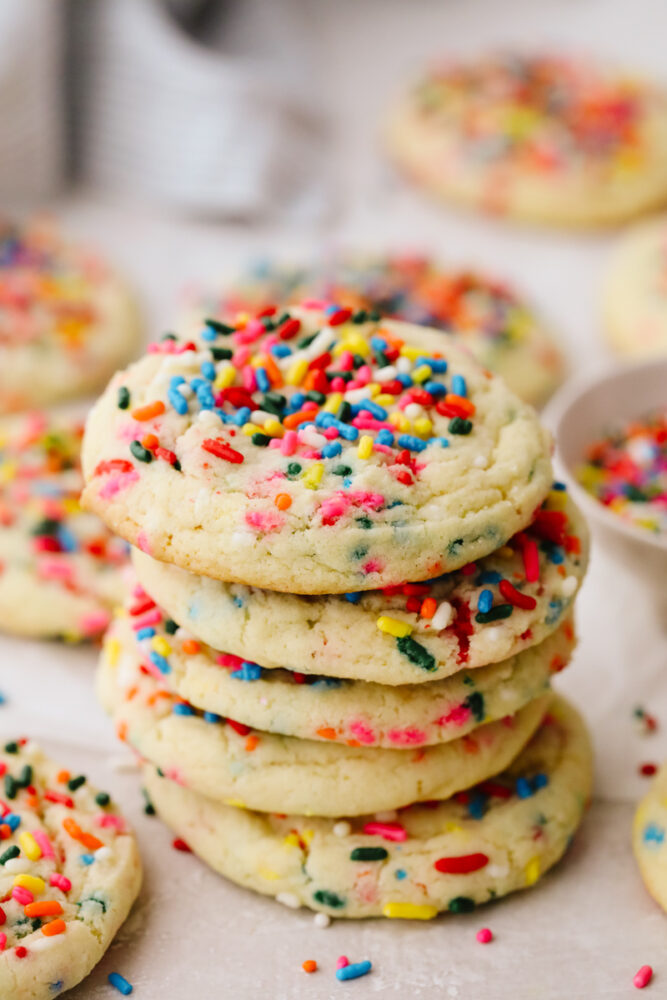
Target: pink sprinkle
{"points": [[289, 443], [241, 357], [484, 935], [338, 384], [362, 732], [3, 941], [55, 569], [388, 831], [44, 844], [250, 333], [364, 374], [60, 881], [108, 819], [153, 617], [373, 566], [114, 484], [95, 623], [346, 361], [264, 521], [22, 896], [229, 660], [320, 304], [275, 443], [248, 378], [643, 977], [342, 961], [408, 737], [330, 433], [143, 543], [458, 716]]}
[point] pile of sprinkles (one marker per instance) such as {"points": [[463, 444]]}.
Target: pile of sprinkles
{"points": [[627, 471]]}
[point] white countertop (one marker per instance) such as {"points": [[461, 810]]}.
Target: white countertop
{"points": [[585, 930]]}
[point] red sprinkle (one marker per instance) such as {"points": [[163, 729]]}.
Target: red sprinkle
{"points": [[238, 727], [220, 449], [531, 557], [484, 936], [113, 465], [339, 316], [180, 845], [515, 596], [461, 865], [647, 770], [643, 977], [166, 455]]}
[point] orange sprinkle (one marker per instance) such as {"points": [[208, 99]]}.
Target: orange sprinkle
{"points": [[428, 608], [294, 419], [76, 833], [121, 731], [63, 777], [55, 927], [326, 733], [132, 692], [5, 831], [310, 965], [150, 442], [283, 501], [461, 402], [47, 908], [190, 646], [149, 411], [32, 801], [273, 371], [251, 743]]}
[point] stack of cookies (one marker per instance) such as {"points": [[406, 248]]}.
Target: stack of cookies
{"points": [[355, 580]]}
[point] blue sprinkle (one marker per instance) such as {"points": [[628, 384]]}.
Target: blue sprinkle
{"points": [[345, 431], [280, 351], [556, 555], [146, 633], [212, 717], [554, 612], [442, 441], [67, 540], [324, 419], [120, 983], [208, 370], [435, 388], [159, 662], [378, 343], [87, 859], [477, 805], [262, 380], [558, 486], [411, 442], [347, 482], [653, 834], [523, 789], [12, 821], [238, 603], [241, 416], [400, 874], [459, 387], [247, 672], [485, 601], [331, 449], [298, 399], [378, 411], [438, 365], [489, 576], [175, 381], [178, 402], [353, 597], [405, 380], [353, 971], [208, 333], [2, 699], [385, 437], [330, 310], [540, 781], [180, 708]]}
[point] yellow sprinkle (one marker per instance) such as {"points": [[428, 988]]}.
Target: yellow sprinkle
{"points": [[307, 835], [374, 389], [72, 505], [291, 840], [452, 827], [409, 911], [352, 341], [225, 376], [505, 552], [268, 873], [385, 399], [241, 318], [33, 883], [161, 646], [112, 651], [423, 426], [29, 846], [557, 500], [412, 352], [296, 372], [393, 626], [332, 404], [399, 420], [532, 870], [313, 477], [421, 373], [249, 429], [237, 803], [365, 449], [274, 428]]}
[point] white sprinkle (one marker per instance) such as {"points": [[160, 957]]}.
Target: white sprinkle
{"points": [[481, 462], [342, 828], [308, 435], [322, 920], [568, 586], [356, 395], [124, 764], [442, 616], [186, 390], [17, 866], [386, 816], [103, 853], [385, 374], [497, 871], [492, 635], [403, 365], [260, 417], [207, 418], [413, 411], [323, 341], [289, 899]]}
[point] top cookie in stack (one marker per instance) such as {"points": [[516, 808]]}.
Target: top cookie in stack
{"points": [[317, 451]]}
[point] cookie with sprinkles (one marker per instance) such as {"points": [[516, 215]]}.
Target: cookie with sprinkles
{"points": [[226, 760], [634, 294], [326, 708], [447, 856], [60, 567], [67, 321], [543, 138], [69, 873], [314, 451], [410, 634], [649, 838], [500, 329]]}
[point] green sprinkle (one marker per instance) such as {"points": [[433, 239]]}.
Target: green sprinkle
{"points": [[416, 653], [461, 904], [123, 398], [364, 522], [149, 808], [358, 360], [293, 469], [102, 799], [47, 526], [139, 452], [475, 702], [374, 315], [344, 412], [261, 440], [168, 336], [495, 614], [360, 552], [11, 852], [220, 353], [369, 854], [25, 778], [316, 397], [306, 341], [342, 470], [327, 898], [273, 402], [170, 626], [219, 327], [77, 782], [11, 786], [457, 425], [11, 747], [360, 316]]}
